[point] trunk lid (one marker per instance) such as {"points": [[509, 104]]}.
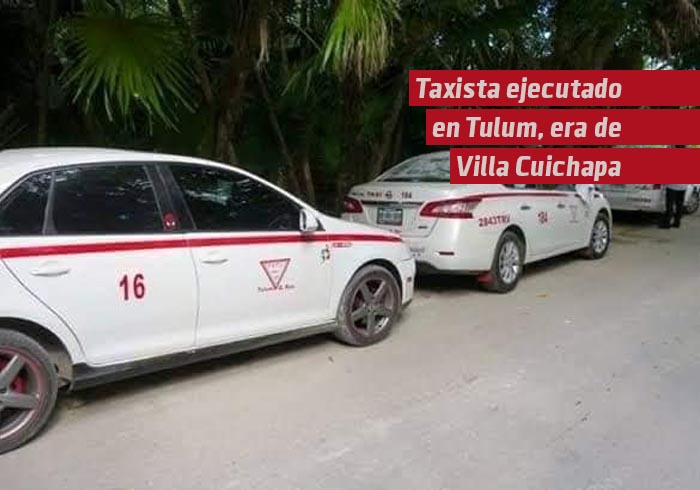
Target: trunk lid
{"points": [[395, 206]]}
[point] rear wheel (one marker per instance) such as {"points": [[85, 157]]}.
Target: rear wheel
{"points": [[369, 306], [600, 238], [28, 389], [507, 266]]}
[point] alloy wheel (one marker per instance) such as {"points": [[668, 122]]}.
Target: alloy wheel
{"points": [[509, 262], [600, 237], [373, 306], [21, 391]]}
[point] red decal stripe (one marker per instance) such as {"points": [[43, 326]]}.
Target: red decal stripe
{"points": [[87, 248], [493, 195]]}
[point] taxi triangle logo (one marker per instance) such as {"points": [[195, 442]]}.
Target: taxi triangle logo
{"points": [[275, 270]]}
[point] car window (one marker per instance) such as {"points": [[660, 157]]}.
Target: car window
{"points": [[22, 213], [552, 187], [221, 200], [423, 168], [105, 199]]}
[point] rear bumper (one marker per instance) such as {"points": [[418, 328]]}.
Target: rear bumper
{"points": [[407, 270], [454, 246], [649, 204]]}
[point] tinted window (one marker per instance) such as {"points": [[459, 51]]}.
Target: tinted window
{"points": [[22, 213], [105, 199], [434, 167], [227, 201]]}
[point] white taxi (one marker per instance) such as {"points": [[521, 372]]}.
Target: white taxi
{"points": [[649, 198], [486, 230], [116, 263]]}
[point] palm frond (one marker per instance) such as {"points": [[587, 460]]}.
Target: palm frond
{"points": [[360, 37], [127, 63]]}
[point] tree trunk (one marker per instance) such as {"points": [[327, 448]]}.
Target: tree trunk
{"points": [[279, 135], [198, 65], [223, 147], [45, 14], [248, 40], [306, 175], [389, 129], [397, 147], [350, 166], [230, 110]]}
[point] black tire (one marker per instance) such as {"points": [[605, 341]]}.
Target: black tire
{"points": [[360, 327], [498, 279], [27, 377], [597, 249]]}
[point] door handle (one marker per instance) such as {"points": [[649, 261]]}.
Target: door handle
{"points": [[215, 259], [561, 205], [50, 270], [525, 207]]}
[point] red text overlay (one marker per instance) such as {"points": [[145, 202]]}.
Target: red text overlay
{"points": [[574, 165], [463, 88], [562, 127]]}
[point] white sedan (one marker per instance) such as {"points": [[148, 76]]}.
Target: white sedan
{"points": [[116, 263], [650, 198], [486, 230]]}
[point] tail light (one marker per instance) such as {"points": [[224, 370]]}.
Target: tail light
{"points": [[351, 205], [461, 208]]}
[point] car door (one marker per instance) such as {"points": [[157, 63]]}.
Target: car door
{"points": [[553, 219], [107, 258], [536, 213], [572, 217], [257, 273]]}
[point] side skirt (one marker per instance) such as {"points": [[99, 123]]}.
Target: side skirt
{"points": [[86, 376]]}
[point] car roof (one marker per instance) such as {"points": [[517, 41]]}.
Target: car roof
{"points": [[16, 163], [32, 159]]}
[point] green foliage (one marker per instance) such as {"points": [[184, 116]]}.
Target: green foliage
{"points": [[126, 64], [360, 37], [302, 91]]}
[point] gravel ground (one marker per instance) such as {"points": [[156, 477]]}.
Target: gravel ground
{"points": [[584, 378]]}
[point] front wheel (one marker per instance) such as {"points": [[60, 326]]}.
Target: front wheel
{"points": [[507, 266], [600, 238], [369, 306], [28, 389]]}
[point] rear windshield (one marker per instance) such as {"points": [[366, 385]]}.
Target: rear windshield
{"points": [[423, 168]]}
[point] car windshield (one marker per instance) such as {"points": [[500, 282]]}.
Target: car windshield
{"points": [[423, 168]]}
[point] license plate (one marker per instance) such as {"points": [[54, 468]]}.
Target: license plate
{"points": [[390, 216], [417, 251]]}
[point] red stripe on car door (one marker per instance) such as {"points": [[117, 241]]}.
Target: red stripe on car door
{"points": [[88, 248]]}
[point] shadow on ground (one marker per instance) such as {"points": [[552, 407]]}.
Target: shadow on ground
{"points": [[636, 219], [453, 282], [160, 379]]}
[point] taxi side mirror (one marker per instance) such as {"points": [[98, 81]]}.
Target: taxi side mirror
{"points": [[307, 221]]}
